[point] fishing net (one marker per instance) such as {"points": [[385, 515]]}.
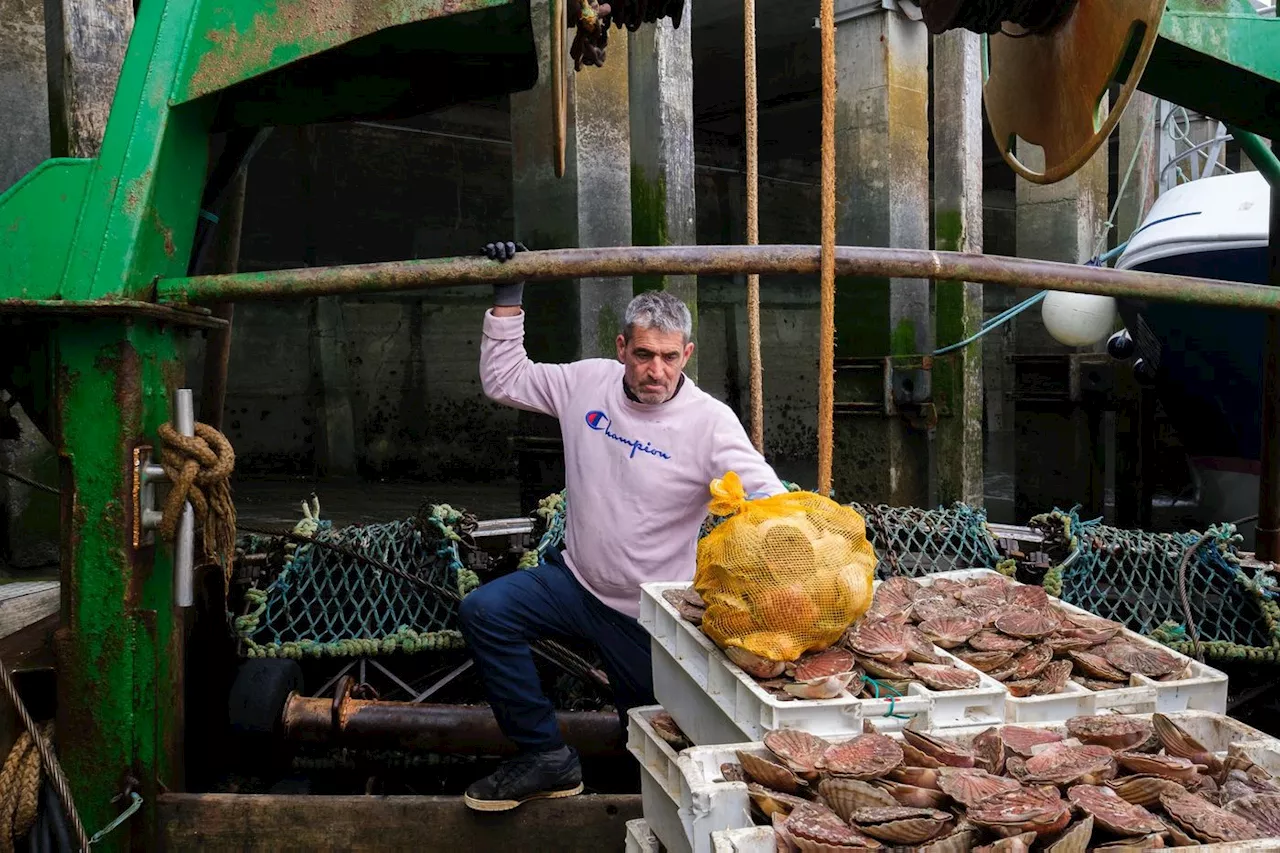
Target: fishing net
{"points": [[911, 541], [782, 575], [1132, 576], [327, 603]]}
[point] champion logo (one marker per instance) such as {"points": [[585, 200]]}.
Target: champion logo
{"points": [[599, 422]]}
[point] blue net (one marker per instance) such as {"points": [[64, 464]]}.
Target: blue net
{"points": [[910, 541]]}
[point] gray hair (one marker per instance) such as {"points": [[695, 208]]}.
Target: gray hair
{"points": [[658, 309]]}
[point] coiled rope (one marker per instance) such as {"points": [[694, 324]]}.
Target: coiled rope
{"points": [[20, 778], [1035, 17], [199, 469]]}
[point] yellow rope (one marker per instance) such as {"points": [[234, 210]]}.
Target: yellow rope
{"points": [[827, 314], [753, 224], [20, 789]]}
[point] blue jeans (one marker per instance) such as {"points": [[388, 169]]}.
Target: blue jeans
{"points": [[498, 621]]}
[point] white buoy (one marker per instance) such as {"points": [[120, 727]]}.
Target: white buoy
{"points": [[1078, 319]]}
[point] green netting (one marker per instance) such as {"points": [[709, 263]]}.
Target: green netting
{"points": [[1131, 576], [326, 603], [913, 542]]}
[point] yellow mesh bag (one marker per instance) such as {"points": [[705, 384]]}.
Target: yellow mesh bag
{"points": [[783, 575]]}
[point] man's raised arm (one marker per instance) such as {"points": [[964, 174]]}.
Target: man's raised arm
{"points": [[507, 374]]}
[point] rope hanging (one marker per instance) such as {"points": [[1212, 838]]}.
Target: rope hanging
{"points": [[1035, 17], [756, 380], [199, 469], [827, 312]]}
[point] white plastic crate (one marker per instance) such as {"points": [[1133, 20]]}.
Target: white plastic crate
{"points": [[700, 802], [1205, 690], [713, 701], [640, 839]]}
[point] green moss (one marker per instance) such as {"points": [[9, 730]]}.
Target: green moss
{"points": [[648, 220], [904, 338], [607, 325]]}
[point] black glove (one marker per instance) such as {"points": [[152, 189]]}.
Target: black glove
{"points": [[506, 295]]}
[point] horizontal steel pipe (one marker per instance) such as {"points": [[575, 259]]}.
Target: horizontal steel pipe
{"points": [[866, 262], [444, 729]]}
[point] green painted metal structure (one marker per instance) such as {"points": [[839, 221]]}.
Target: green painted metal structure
{"points": [[96, 357]]}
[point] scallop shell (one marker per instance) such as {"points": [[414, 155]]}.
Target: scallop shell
{"points": [[827, 687], [899, 587], [1096, 666], [753, 664], [1146, 660], [785, 841], [1030, 597], [948, 586], [924, 609], [1075, 839], [1176, 741], [919, 648], [985, 661], [773, 802], [798, 750], [731, 771], [1143, 790], [948, 752], [1022, 810], [1135, 845], [1113, 813], [823, 664], [1023, 688], [770, 775], [959, 841], [882, 640], [1262, 810], [1205, 821], [812, 822], [1032, 662], [1027, 624], [920, 777], [1053, 679], [992, 641], [1021, 741], [910, 795], [880, 669], [982, 596], [1114, 731], [970, 786], [1164, 766], [988, 751], [1091, 636], [901, 824], [950, 631], [1097, 684], [1060, 764], [664, 725], [1088, 621], [1015, 767], [1020, 843], [1061, 645], [845, 796], [864, 757], [945, 677]]}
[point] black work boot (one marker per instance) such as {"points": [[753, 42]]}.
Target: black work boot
{"points": [[529, 776]]}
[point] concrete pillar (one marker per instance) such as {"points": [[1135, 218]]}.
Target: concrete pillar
{"points": [[85, 47], [1057, 444], [589, 207], [1137, 146], [882, 139], [957, 193], [660, 72]]}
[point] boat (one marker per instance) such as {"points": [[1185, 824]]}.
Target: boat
{"points": [[1206, 363]]}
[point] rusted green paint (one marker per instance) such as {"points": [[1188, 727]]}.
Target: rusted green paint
{"points": [[37, 217], [235, 40], [648, 220]]}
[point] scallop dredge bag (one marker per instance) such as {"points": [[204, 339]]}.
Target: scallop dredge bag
{"points": [[783, 575]]}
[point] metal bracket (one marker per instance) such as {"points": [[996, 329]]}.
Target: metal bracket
{"points": [[851, 10], [898, 386], [146, 518]]}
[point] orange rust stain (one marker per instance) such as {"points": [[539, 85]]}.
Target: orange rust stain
{"points": [[166, 231]]}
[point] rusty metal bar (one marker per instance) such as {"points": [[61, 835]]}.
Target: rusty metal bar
{"points": [[559, 264], [449, 729], [1267, 544]]}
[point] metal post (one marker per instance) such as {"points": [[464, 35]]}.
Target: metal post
{"points": [[184, 546], [1268, 538]]}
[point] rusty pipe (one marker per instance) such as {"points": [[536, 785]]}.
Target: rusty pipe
{"points": [[860, 261], [449, 729]]}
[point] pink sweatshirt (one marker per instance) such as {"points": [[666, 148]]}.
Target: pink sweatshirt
{"points": [[637, 475]]}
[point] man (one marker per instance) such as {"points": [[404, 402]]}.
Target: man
{"points": [[642, 444]]}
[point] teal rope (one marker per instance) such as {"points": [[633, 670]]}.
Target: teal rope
{"points": [[995, 322], [877, 686]]}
